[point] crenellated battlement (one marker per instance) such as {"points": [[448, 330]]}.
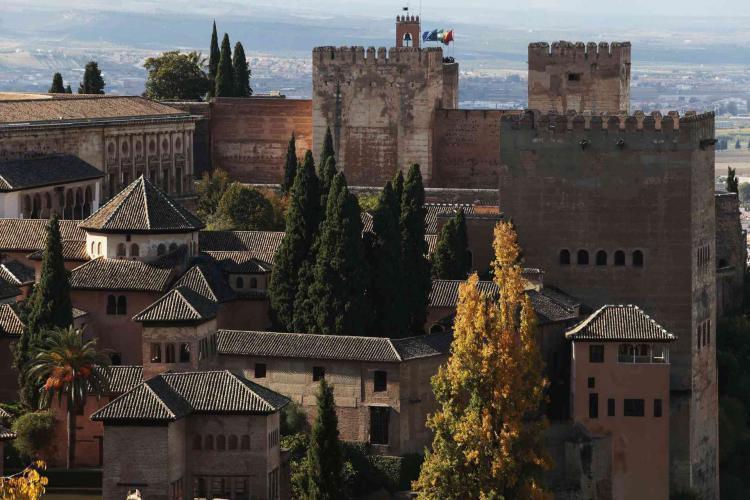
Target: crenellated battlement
{"points": [[579, 50], [358, 55], [407, 19]]}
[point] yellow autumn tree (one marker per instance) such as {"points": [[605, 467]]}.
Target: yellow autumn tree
{"points": [[488, 441], [29, 484]]}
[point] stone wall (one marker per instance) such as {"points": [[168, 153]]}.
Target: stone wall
{"points": [[731, 254], [136, 457]]}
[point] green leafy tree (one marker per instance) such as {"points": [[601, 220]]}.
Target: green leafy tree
{"points": [[241, 72], [69, 368], [57, 84], [340, 274], [224, 86], [451, 259], [302, 220], [92, 83], [210, 189], [386, 286], [325, 462], [732, 181], [290, 167], [213, 59], [34, 433], [243, 208], [415, 266], [327, 150], [173, 75], [48, 307]]}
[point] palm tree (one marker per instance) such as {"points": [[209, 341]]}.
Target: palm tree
{"points": [[71, 368]]}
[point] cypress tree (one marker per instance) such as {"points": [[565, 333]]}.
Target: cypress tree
{"points": [[325, 461], [732, 182], [302, 220], [451, 259], [92, 83], [337, 293], [213, 58], [290, 167], [327, 151], [398, 190], [57, 84], [68, 90], [386, 285], [415, 266], [241, 72], [224, 86], [326, 173]]}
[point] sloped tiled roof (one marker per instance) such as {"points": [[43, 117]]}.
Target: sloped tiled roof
{"points": [[45, 171], [8, 289], [619, 323], [29, 235], [120, 274], [16, 272], [10, 322], [179, 304], [262, 243], [4, 414], [124, 378], [207, 280], [434, 209], [367, 221], [73, 250], [431, 240], [338, 347], [240, 262], [171, 396], [142, 208]]}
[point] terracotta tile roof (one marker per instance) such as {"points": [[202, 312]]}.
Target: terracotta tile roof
{"points": [[124, 378], [171, 396], [10, 322], [207, 280], [431, 240], [73, 250], [142, 208], [180, 304], [87, 108], [116, 274], [45, 171], [338, 347], [4, 414], [262, 243], [366, 218], [240, 262], [17, 273], [619, 323], [29, 235], [7, 289], [434, 209], [6, 435]]}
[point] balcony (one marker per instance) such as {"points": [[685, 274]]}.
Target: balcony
{"points": [[643, 353]]}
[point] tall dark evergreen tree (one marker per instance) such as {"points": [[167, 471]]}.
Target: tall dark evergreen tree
{"points": [[92, 83], [213, 59], [451, 260], [325, 462], [733, 182], [326, 173], [386, 284], [398, 190], [224, 86], [68, 90], [327, 151], [290, 167], [241, 72], [340, 275], [415, 266], [302, 220], [48, 307], [57, 84]]}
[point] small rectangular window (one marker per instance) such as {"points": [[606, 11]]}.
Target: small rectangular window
{"points": [[610, 407], [593, 405], [260, 370], [592, 382], [156, 353], [184, 353], [319, 373], [380, 379], [596, 354], [574, 77], [633, 408], [657, 407], [379, 417]]}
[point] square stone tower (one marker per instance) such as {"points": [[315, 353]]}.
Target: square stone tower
{"points": [[408, 31], [576, 77]]}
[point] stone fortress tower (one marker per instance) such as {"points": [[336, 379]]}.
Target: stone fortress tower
{"points": [[408, 31], [579, 77]]}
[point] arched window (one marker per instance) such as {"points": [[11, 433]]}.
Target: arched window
{"points": [[240, 283], [253, 283], [232, 442], [245, 442], [121, 250], [111, 304], [407, 40], [169, 353], [619, 258], [93, 245], [122, 305], [565, 257], [601, 258], [208, 442], [637, 258], [583, 257], [172, 247], [221, 442], [161, 249], [134, 250], [197, 441]]}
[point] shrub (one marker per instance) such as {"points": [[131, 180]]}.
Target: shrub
{"points": [[33, 433], [293, 420], [243, 208]]}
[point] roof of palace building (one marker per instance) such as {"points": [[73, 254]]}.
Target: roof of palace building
{"points": [[435, 209], [10, 323], [262, 243], [619, 323], [73, 250], [4, 414], [142, 208], [124, 378], [29, 235], [206, 279], [50, 170], [120, 274], [340, 347], [181, 304], [8, 289], [239, 262], [16, 272], [84, 109], [171, 396]]}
